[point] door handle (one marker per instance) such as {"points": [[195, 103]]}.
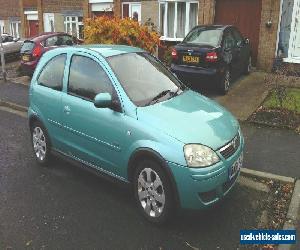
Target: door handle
{"points": [[67, 109]]}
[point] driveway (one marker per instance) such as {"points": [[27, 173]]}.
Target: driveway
{"points": [[244, 96]]}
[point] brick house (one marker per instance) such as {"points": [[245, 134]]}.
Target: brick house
{"points": [[272, 26], [29, 17], [258, 20], [53, 15], [10, 17], [60, 15]]}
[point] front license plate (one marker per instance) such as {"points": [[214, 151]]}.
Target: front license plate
{"points": [[190, 59], [235, 168], [25, 58]]}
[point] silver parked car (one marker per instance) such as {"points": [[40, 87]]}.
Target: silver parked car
{"points": [[11, 45]]}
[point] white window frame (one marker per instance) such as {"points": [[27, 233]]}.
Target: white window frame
{"points": [[48, 17], [187, 9], [2, 27], [130, 10], [15, 33], [68, 22], [293, 35]]}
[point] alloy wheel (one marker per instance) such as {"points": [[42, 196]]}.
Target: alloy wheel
{"points": [[39, 143], [151, 192]]}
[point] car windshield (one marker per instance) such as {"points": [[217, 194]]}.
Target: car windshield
{"points": [[27, 46], [144, 78], [204, 36]]}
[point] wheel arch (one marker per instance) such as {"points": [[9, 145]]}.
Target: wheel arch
{"points": [[149, 153]]}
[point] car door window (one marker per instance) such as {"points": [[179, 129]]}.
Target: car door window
{"points": [[229, 41], [67, 40], [51, 41], [52, 74], [87, 78], [10, 39], [238, 37], [4, 39]]}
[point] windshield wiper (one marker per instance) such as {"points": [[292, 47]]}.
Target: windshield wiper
{"points": [[158, 96]]}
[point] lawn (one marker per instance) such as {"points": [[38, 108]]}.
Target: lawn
{"points": [[291, 103]]}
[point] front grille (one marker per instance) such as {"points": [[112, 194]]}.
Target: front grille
{"points": [[231, 147]]}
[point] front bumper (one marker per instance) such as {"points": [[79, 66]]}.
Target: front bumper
{"points": [[192, 70], [202, 187]]}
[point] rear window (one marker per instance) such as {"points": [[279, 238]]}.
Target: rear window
{"points": [[204, 36], [27, 46]]}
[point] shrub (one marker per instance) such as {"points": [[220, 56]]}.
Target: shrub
{"points": [[113, 30]]}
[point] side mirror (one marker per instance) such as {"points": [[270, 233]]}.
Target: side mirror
{"points": [[247, 41], [103, 100]]}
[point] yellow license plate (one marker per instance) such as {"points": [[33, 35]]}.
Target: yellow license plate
{"points": [[190, 59], [25, 58]]}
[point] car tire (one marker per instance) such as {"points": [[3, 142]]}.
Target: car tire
{"points": [[248, 67], [225, 82], [153, 192], [40, 143]]}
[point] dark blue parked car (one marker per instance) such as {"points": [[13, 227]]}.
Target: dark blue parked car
{"points": [[216, 52]]}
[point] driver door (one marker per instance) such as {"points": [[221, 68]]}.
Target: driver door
{"points": [[94, 136]]}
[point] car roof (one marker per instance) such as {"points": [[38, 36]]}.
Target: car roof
{"points": [[105, 50], [44, 36], [215, 26]]}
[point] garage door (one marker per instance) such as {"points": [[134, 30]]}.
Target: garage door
{"points": [[244, 14]]}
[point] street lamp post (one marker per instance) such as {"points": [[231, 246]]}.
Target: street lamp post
{"points": [[2, 57]]}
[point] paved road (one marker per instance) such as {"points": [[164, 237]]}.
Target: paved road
{"points": [[64, 207], [15, 93]]}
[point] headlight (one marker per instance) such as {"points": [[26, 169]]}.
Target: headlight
{"points": [[197, 155]]}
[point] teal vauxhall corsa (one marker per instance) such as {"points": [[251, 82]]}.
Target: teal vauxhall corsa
{"points": [[119, 111]]}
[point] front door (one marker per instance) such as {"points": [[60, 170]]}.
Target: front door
{"points": [[95, 136], [33, 28], [231, 52], [242, 50]]}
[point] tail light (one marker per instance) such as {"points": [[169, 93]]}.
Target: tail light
{"points": [[174, 54], [211, 56], [37, 51]]}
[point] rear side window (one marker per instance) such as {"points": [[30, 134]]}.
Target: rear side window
{"points": [[65, 40], [87, 78], [51, 41], [53, 73], [27, 47]]}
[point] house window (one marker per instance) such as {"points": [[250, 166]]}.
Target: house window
{"points": [[74, 26], [15, 28], [131, 10], [177, 18]]}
